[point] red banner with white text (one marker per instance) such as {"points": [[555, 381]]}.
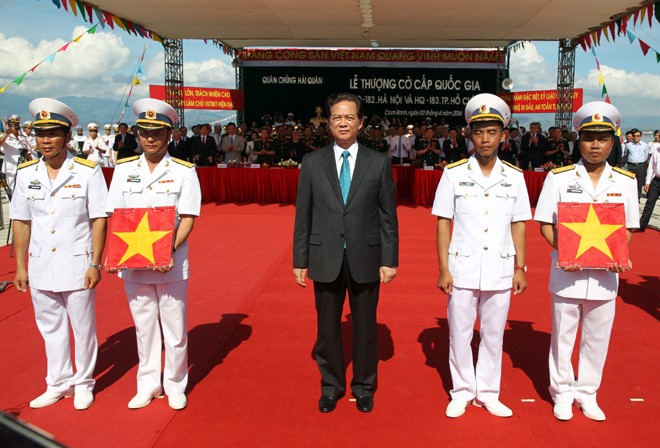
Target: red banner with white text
{"points": [[204, 97], [537, 101]]}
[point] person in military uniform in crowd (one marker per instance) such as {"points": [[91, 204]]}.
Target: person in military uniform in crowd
{"points": [[454, 148], [158, 298], [508, 150], [377, 142], [59, 220], [94, 148], [281, 144], [15, 149], [483, 258], [298, 148], [309, 139], [263, 150], [584, 297], [428, 153], [322, 139], [557, 148]]}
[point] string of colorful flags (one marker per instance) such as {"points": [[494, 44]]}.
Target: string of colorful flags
{"points": [[50, 58], [135, 80], [88, 12], [621, 26], [601, 80]]}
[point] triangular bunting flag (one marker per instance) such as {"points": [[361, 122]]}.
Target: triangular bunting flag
{"points": [[99, 16], [613, 31], [649, 14], [624, 24], [64, 47], [2, 90], [657, 57], [139, 30], [606, 30], [73, 7], [108, 19], [89, 10], [66, 7], [119, 22], [631, 36], [19, 80], [635, 17], [81, 7], [599, 31], [645, 47], [157, 38], [92, 30], [77, 39], [604, 91], [35, 67], [129, 24], [56, 3], [51, 58], [642, 15], [583, 44], [600, 79], [607, 100], [136, 81], [587, 39], [657, 13], [139, 70], [594, 38]]}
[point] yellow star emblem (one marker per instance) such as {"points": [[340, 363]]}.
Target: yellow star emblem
{"points": [[141, 240], [593, 233]]}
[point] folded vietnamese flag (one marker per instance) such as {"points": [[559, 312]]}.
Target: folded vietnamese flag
{"points": [[140, 238], [592, 235]]}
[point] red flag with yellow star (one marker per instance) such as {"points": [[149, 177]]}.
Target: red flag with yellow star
{"points": [[140, 238], [592, 235]]}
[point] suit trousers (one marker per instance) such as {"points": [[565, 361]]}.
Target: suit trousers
{"points": [[328, 350], [651, 198], [53, 312], [462, 310], [164, 303], [596, 318]]}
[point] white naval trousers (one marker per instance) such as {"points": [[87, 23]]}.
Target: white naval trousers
{"points": [[165, 303], [54, 311], [596, 318], [462, 310]]}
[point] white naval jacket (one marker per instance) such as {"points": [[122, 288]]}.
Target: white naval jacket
{"points": [[60, 247], [481, 251], [572, 184], [173, 182]]}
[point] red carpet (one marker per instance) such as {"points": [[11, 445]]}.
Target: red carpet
{"points": [[253, 381]]}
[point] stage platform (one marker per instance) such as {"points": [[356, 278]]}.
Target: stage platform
{"points": [[253, 381]]}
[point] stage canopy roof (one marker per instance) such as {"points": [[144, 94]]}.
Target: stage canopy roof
{"points": [[390, 23]]}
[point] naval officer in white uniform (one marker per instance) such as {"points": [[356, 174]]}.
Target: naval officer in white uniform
{"points": [[155, 179], [59, 220], [95, 148], [484, 258], [584, 297]]}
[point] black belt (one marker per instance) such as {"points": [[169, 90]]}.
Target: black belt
{"points": [[631, 163]]}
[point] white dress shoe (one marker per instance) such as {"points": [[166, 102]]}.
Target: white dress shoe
{"points": [[141, 400], [48, 398], [456, 408], [177, 401], [83, 399], [592, 411], [563, 411], [495, 407]]}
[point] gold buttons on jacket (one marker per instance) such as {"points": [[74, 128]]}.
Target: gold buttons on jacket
{"points": [[52, 193], [486, 194], [485, 247], [52, 231], [53, 249]]}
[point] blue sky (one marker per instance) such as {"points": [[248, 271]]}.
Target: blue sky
{"points": [[100, 66]]}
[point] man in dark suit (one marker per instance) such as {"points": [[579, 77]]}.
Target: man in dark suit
{"points": [[204, 147], [346, 238], [508, 149], [454, 147], [533, 147], [125, 144], [178, 148]]}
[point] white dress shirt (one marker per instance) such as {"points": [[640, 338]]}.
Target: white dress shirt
{"points": [[340, 160]]}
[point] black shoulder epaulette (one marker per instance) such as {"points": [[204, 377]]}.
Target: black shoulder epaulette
{"points": [[85, 162], [127, 159], [460, 162], [517, 168], [624, 172], [183, 162], [562, 169], [28, 163]]}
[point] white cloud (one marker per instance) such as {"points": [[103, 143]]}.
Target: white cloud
{"points": [[84, 68], [529, 70]]}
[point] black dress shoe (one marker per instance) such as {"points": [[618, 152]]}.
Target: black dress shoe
{"points": [[327, 403], [364, 404]]}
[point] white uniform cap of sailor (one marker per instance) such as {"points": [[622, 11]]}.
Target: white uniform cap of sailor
{"points": [[597, 116], [92, 127], [107, 126], [27, 123], [487, 107], [154, 114], [49, 113]]}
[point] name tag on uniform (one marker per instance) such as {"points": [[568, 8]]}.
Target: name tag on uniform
{"points": [[34, 187], [167, 181], [614, 194], [505, 184], [574, 189], [466, 184], [72, 186]]}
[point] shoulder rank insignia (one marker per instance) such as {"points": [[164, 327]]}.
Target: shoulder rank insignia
{"points": [[460, 162], [28, 163], [183, 162], [620, 171], [561, 169], [127, 159], [85, 162], [511, 165]]}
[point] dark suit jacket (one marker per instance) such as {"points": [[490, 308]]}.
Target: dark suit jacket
{"points": [[204, 150], [510, 155], [533, 153], [129, 146], [454, 155], [182, 150], [616, 155], [367, 223]]}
